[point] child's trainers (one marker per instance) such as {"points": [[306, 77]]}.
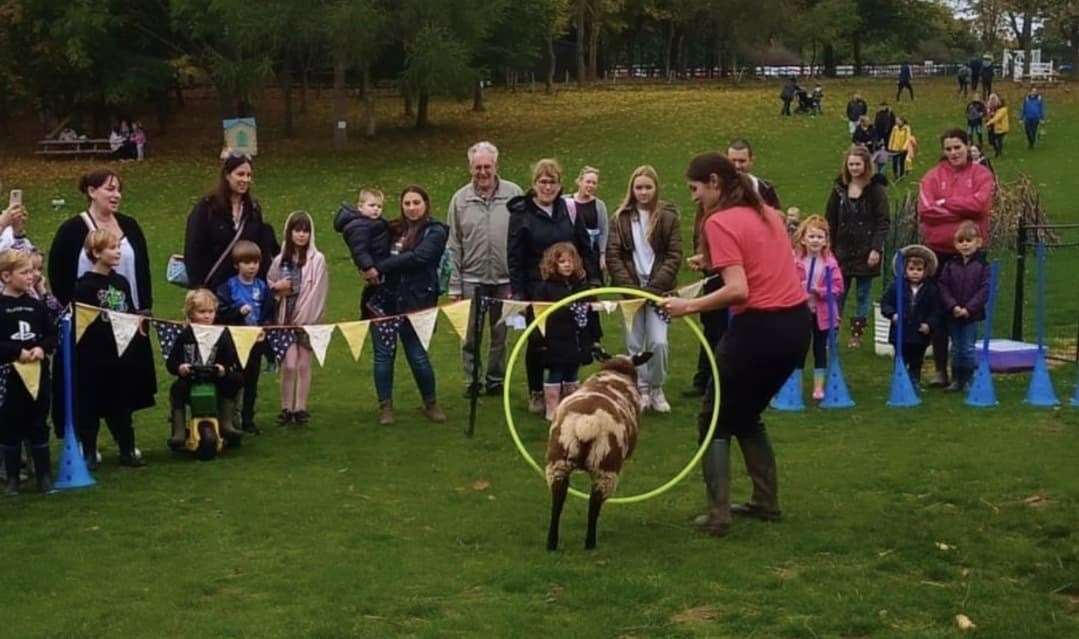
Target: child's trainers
{"points": [[659, 401]]}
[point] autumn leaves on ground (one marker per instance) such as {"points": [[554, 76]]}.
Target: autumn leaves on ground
{"points": [[895, 521]]}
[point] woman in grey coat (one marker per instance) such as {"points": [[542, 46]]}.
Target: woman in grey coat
{"points": [[594, 211]]}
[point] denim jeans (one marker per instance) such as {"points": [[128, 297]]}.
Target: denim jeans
{"points": [[385, 354], [963, 336], [863, 284], [562, 374]]}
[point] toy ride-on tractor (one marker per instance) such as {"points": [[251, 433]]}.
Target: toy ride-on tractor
{"points": [[209, 426]]}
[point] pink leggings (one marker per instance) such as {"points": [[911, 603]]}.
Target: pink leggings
{"points": [[295, 378]]}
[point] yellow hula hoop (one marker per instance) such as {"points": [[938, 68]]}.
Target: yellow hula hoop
{"points": [[655, 492]]}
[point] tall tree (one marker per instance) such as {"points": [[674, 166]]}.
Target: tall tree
{"points": [[356, 32]]}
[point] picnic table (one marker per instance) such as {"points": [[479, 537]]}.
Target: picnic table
{"points": [[89, 146]]}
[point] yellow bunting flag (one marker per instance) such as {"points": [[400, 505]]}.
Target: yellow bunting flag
{"points": [[30, 372], [355, 334], [511, 307], [458, 314], [244, 339], [124, 327], [320, 340], [630, 308], [423, 323], [206, 336], [537, 309], [84, 316], [690, 291]]}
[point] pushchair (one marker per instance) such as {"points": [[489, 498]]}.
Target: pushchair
{"points": [[805, 102]]}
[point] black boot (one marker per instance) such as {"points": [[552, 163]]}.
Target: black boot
{"points": [[179, 429], [43, 469], [11, 464], [957, 379], [761, 465], [226, 412], [716, 470]]}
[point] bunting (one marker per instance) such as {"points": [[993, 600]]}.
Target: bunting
{"points": [[511, 307], [124, 327], [423, 322], [206, 336], [319, 337], [30, 372], [386, 330], [537, 310], [458, 314], [167, 334], [355, 334], [244, 339], [690, 291], [630, 308], [280, 339], [84, 316], [660, 311]]}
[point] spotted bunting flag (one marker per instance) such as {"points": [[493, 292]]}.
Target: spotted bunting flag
{"points": [[280, 340], [167, 334]]}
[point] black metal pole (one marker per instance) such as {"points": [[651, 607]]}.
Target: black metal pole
{"points": [[1020, 274], [477, 361]]}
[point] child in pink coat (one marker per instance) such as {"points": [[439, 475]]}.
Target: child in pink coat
{"points": [[819, 271]]}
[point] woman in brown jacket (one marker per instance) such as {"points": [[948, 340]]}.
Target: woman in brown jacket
{"points": [[644, 251]]}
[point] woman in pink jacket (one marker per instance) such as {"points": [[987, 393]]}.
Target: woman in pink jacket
{"points": [[953, 191]]}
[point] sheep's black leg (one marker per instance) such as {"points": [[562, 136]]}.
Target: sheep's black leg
{"points": [[559, 489], [595, 502]]}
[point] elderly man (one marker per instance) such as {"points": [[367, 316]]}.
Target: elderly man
{"points": [[479, 223]]}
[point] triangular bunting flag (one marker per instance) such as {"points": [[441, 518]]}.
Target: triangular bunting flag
{"points": [[537, 310], [319, 335], [423, 323], [689, 291], [167, 334], [206, 336], [355, 334], [386, 330], [458, 314], [606, 307], [30, 372], [511, 307], [244, 339], [124, 327], [280, 339], [84, 316], [629, 311]]}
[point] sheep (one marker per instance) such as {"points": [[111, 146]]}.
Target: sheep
{"points": [[594, 429]]}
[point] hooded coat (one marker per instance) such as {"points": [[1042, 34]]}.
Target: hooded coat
{"points": [[314, 283], [858, 226]]}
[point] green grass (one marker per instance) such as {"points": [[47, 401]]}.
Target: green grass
{"points": [[348, 529]]}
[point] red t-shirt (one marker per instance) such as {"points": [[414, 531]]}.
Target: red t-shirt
{"points": [[759, 243]]}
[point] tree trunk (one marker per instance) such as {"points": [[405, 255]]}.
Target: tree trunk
{"points": [[406, 93], [581, 8], [668, 50], [305, 74], [421, 109], [5, 113], [856, 52], [340, 104], [477, 96], [368, 103], [1028, 43], [286, 90], [593, 50], [549, 88], [161, 102], [179, 89], [827, 58]]}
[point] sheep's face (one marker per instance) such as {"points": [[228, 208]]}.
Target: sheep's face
{"points": [[625, 364]]}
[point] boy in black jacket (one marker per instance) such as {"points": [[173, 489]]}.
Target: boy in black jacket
{"points": [[27, 336], [200, 307], [367, 235], [921, 307]]}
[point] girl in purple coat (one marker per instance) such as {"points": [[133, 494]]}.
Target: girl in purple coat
{"points": [[819, 272], [964, 292]]}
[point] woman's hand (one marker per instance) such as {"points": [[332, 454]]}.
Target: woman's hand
{"points": [[371, 275], [874, 259], [695, 262], [184, 370], [676, 306]]}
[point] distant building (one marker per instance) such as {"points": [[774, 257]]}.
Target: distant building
{"points": [[241, 135]]}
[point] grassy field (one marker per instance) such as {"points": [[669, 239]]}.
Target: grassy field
{"points": [[895, 521]]}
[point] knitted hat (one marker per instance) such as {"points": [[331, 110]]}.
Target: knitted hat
{"points": [[919, 251]]}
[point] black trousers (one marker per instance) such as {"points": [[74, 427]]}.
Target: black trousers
{"points": [[899, 89], [1031, 127], [759, 352], [899, 164], [820, 345], [786, 106], [713, 325], [997, 140], [120, 425], [22, 417], [987, 88], [251, 381], [914, 357]]}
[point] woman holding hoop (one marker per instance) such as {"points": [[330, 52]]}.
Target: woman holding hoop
{"points": [[746, 241]]}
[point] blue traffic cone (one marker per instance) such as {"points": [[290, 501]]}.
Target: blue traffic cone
{"points": [[71, 472], [836, 394], [789, 397], [902, 393], [1040, 392], [981, 393]]}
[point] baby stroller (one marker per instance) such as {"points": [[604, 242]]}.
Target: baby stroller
{"points": [[805, 102]]}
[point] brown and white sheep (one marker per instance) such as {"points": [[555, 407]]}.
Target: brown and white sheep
{"points": [[595, 430]]}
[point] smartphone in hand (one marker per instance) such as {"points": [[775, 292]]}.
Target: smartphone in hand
{"points": [[15, 197]]}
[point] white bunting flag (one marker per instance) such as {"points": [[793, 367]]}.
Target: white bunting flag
{"points": [[630, 309], [206, 336], [124, 327], [606, 307], [511, 307], [458, 314], [320, 340], [690, 291], [424, 324], [244, 339]]}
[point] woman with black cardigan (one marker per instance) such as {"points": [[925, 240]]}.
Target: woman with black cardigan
{"points": [[68, 262], [221, 219], [539, 219]]}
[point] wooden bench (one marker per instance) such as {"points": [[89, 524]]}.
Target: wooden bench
{"points": [[72, 148]]}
